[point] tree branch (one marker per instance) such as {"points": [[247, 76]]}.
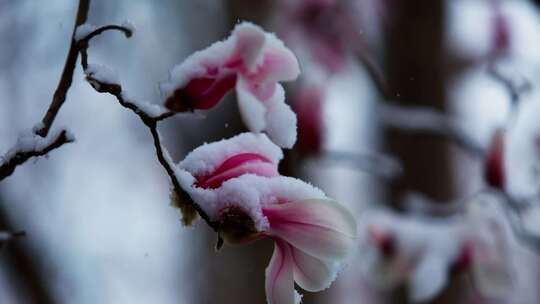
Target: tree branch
{"points": [[19, 155], [150, 115], [418, 120], [67, 74], [423, 120], [31, 146]]}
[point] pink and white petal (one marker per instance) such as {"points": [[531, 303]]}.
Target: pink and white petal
{"points": [[203, 63], [321, 228], [279, 64], [313, 274], [428, 279], [208, 157], [250, 40], [279, 275], [280, 120], [251, 108]]}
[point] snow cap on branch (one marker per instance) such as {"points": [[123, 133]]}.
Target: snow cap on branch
{"points": [[251, 61]]}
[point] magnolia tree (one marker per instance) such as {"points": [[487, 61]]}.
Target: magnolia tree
{"points": [[236, 187]]}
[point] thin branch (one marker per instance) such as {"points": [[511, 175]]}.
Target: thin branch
{"points": [[6, 236], [423, 120], [418, 119], [150, 120], [17, 156], [515, 88], [381, 165], [67, 74], [33, 146]]}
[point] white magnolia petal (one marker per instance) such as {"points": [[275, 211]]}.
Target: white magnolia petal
{"points": [[279, 275], [491, 270], [311, 273], [428, 279], [252, 109], [280, 62], [281, 120], [250, 40], [321, 228]]}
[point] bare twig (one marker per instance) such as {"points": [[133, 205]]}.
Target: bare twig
{"points": [[418, 119], [38, 147], [15, 155], [150, 121], [422, 120], [6, 236], [67, 74], [515, 87], [381, 165]]}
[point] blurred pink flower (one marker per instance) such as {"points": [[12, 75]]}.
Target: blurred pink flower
{"points": [[323, 29], [251, 61], [501, 34], [308, 106], [494, 163]]}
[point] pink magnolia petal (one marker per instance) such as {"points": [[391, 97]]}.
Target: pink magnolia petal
{"points": [[246, 163], [201, 93], [279, 275], [279, 63], [313, 274], [321, 228]]}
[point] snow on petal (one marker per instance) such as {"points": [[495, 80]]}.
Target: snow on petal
{"points": [[205, 159], [202, 80], [313, 274], [250, 40], [279, 276], [321, 228]]}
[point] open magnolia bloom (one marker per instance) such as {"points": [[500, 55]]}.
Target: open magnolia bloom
{"points": [[417, 252], [252, 62], [248, 200]]}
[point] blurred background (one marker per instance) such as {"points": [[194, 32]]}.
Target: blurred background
{"points": [[97, 215]]}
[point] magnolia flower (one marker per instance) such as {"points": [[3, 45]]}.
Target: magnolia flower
{"points": [[252, 62], [323, 31], [235, 181], [404, 250], [416, 252]]}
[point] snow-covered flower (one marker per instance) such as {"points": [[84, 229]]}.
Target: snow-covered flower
{"points": [[248, 201], [252, 62], [416, 252], [401, 250]]}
